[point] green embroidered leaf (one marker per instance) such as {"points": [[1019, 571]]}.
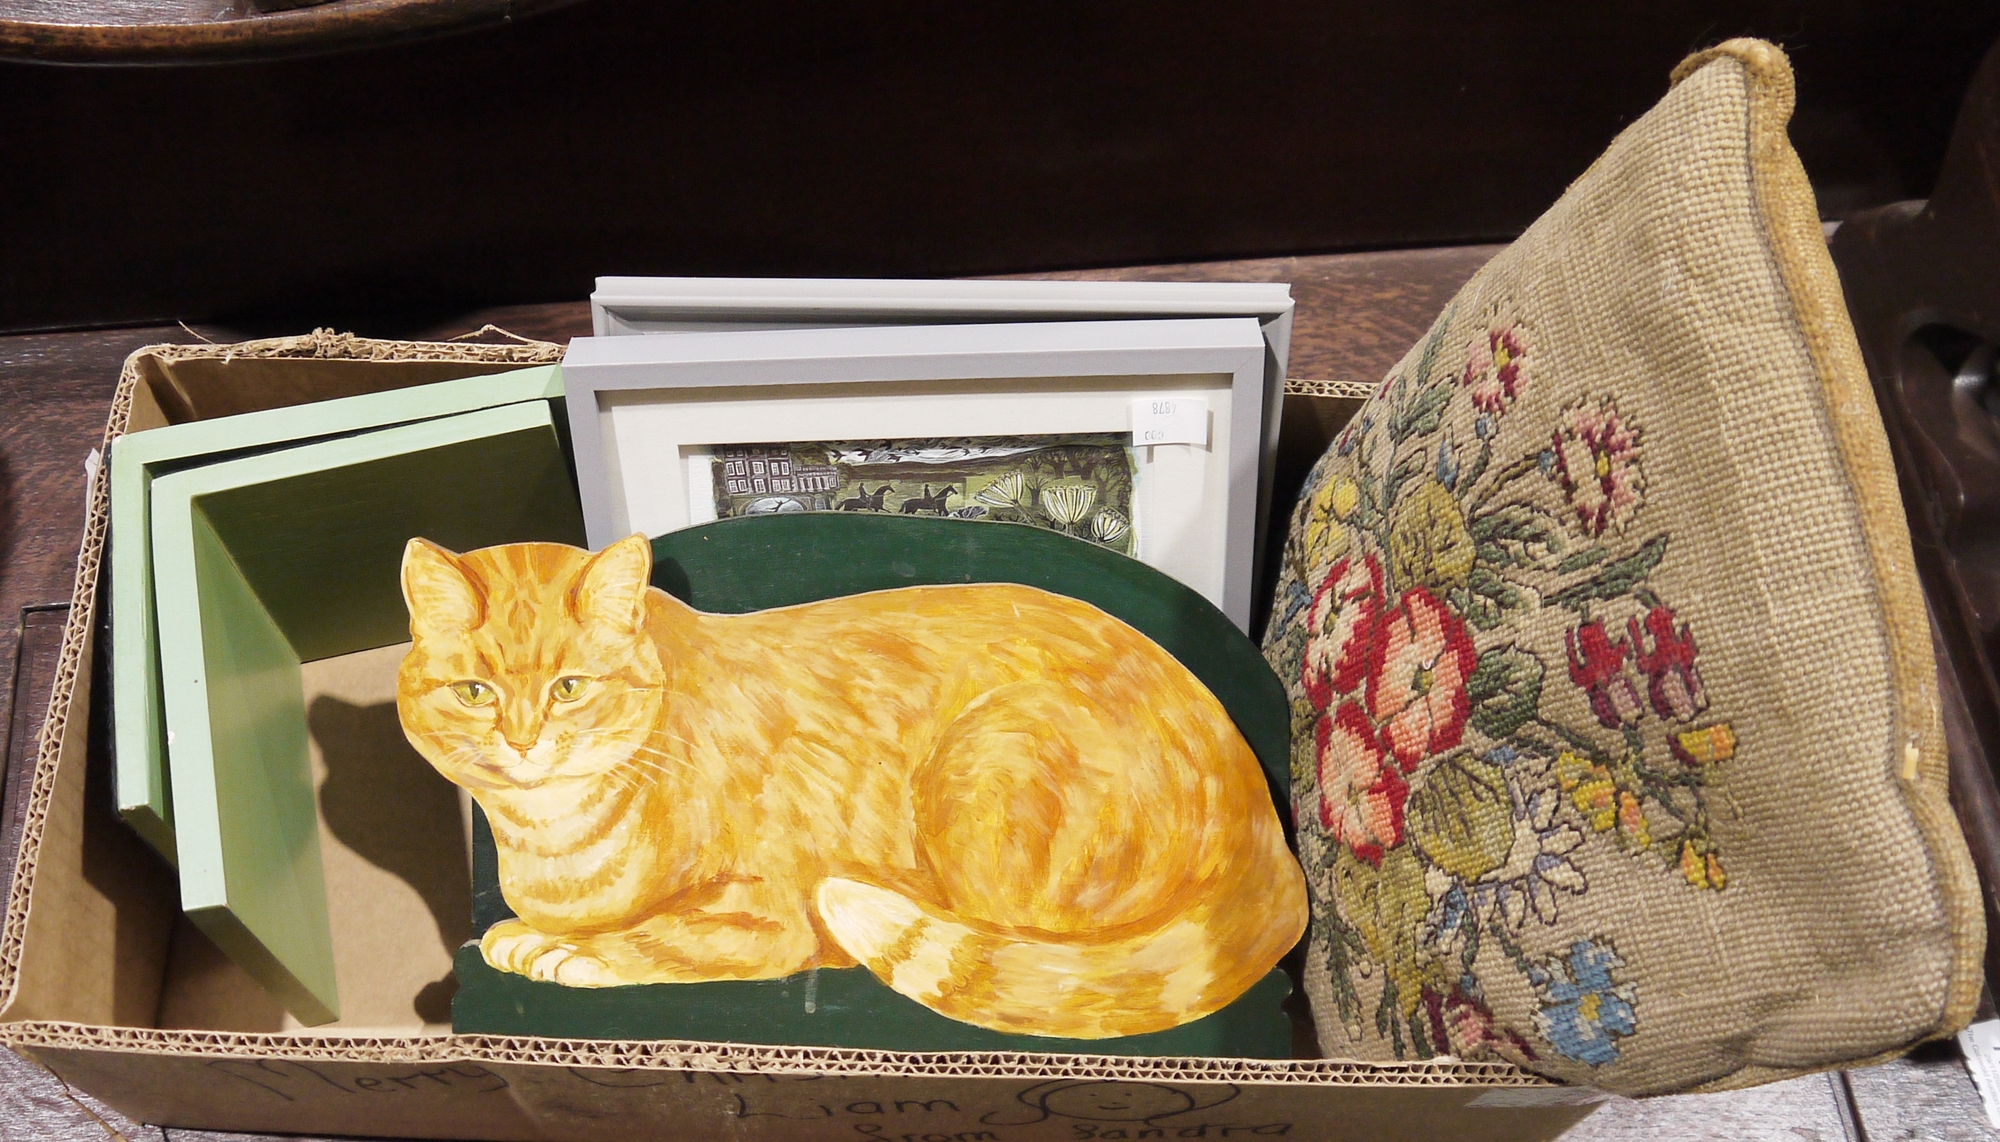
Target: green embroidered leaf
{"points": [[1305, 763], [1489, 598], [1420, 1045], [1477, 467], [1617, 579], [1480, 611], [1423, 415], [1392, 485], [1428, 543], [1577, 561], [1435, 342], [1385, 904], [1342, 979], [1517, 535], [1461, 817], [1505, 689]]}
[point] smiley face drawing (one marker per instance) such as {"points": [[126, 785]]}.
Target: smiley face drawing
{"points": [[1109, 1100]]}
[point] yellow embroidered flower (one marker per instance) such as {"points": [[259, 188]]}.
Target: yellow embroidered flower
{"points": [[1590, 788], [1632, 820], [1326, 539], [1340, 496], [1596, 800], [1705, 746], [1571, 769], [1701, 867]]}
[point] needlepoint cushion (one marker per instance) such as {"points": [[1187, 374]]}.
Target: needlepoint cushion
{"points": [[1616, 750]]}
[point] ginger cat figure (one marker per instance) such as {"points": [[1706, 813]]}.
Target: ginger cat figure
{"points": [[1006, 804]]}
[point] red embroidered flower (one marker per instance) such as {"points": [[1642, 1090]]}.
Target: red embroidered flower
{"points": [[1673, 683], [1596, 457], [1360, 797], [1340, 624], [1419, 660], [1600, 671], [1496, 367]]}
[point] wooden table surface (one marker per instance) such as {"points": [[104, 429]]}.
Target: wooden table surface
{"points": [[1357, 314]]}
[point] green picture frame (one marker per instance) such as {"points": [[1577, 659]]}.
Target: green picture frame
{"points": [[267, 561], [139, 771]]}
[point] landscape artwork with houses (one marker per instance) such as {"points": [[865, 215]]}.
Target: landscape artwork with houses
{"points": [[1079, 484]]}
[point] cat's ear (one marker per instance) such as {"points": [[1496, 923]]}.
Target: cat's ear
{"points": [[440, 595], [612, 588]]}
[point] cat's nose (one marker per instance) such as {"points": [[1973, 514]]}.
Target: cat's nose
{"points": [[521, 729]]}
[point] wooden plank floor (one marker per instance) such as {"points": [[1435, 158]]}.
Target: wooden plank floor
{"points": [[1357, 314]]}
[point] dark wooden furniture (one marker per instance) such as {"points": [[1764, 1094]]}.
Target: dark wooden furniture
{"points": [[384, 188], [182, 31]]}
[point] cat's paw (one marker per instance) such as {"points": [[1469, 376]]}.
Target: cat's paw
{"points": [[567, 965], [512, 946]]}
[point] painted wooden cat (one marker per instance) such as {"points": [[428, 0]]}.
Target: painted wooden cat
{"points": [[1010, 806]]}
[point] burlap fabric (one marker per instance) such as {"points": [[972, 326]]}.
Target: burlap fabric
{"points": [[1616, 745]]}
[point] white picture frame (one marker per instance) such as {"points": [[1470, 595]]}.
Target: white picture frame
{"points": [[640, 407], [638, 305]]}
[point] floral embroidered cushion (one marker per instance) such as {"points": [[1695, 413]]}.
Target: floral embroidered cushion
{"points": [[1616, 749]]}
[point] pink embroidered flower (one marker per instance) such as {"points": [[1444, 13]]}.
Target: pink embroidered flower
{"points": [[1419, 661], [1340, 625], [1596, 460], [1360, 797], [1496, 367], [1673, 683], [1465, 1026], [1600, 670]]}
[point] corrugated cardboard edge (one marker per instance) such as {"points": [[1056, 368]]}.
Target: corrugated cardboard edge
{"points": [[741, 1058], [674, 1055], [1336, 390], [1798, 246]]}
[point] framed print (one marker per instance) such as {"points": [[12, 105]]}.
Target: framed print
{"points": [[629, 305], [1145, 437]]}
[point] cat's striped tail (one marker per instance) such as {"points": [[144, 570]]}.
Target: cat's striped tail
{"points": [[1130, 983]]}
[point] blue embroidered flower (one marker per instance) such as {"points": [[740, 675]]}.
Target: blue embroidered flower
{"points": [[1297, 598], [1450, 917], [1482, 426], [1584, 1009], [1447, 465]]}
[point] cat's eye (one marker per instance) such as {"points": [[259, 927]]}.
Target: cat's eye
{"points": [[472, 693], [570, 687]]}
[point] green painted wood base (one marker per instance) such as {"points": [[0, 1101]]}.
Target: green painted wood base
{"points": [[845, 1007]]}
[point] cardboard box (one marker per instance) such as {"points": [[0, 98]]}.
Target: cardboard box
{"points": [[103, 981]]}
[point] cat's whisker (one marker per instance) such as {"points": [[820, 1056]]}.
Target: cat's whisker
{"points": [[653, 765], [643, 750]]}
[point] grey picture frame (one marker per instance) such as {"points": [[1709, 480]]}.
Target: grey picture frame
{"points": [[621, 306], [971, 363]]}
